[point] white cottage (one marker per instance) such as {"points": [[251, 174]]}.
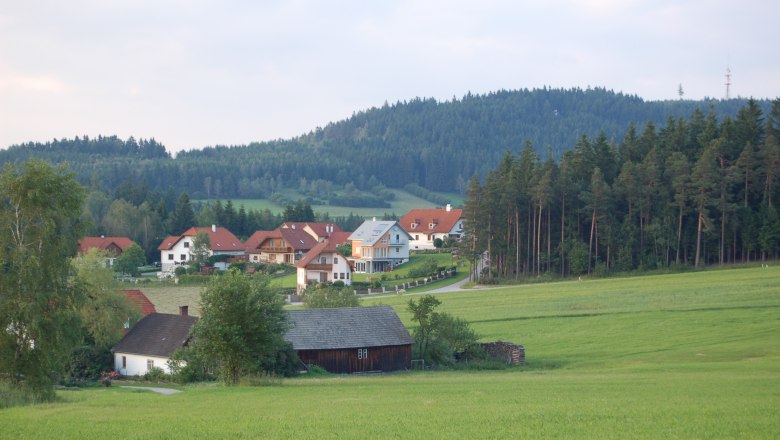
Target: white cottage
{"points": [[152, 342], [324, 263]]}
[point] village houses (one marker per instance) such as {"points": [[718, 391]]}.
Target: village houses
{"points": [[424, 226], [176, 250]]}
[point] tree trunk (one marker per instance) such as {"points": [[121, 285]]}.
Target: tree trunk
{"points": [[698, 240], [590, 242]]}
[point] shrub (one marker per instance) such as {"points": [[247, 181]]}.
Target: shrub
{"points": [[156, 374], [179, 271]]}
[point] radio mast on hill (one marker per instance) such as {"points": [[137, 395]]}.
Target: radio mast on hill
{"points": [[728, 83]]}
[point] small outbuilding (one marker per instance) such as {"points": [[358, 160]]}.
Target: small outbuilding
{"points": [[351, 339]]}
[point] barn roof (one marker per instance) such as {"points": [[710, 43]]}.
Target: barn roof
{"points": [[347, 327], [158, 334]]}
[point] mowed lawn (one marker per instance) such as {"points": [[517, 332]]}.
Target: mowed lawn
{"points": [[676, 356]]}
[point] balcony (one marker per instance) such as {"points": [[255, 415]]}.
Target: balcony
{"points": [[321, 267]]}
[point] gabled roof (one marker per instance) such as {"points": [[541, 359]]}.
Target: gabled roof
{"points": [[253, 242], [442, 220], [221, 239], [104, 243], [372, 230], [298, 239], [325, 247], [339, 237], [348, 327], [138, 299], [322, 229], [158, 334]]}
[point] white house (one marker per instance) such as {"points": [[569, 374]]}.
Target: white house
{"points": [[324, 263], [176, 249], [152, 342], [426, 225], [379, 246]]}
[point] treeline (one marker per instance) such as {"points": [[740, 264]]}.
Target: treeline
{"points": [[696, 191], [435, 145]]}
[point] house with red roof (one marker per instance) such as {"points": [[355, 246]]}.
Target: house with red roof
{"points": [[322, 264], [426, 225], [291, 241], [112, 246], [176, 249]]}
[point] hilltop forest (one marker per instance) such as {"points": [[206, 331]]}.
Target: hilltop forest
{"points": [[138, 189], [696, 192], [434, 145]]}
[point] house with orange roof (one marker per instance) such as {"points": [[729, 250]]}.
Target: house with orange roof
{"points": [[291, 241], [176, 249], [112, 246], [426, 225], [282, 245], [322, 264]]}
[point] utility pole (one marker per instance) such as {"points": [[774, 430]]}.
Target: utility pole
{"points": [[728, 83]]}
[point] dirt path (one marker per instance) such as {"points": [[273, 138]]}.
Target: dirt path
{"points": [[166, 391]]}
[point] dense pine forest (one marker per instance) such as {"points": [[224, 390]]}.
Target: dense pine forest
{"points": [[434, 145], [697, 191], [587, 180]]}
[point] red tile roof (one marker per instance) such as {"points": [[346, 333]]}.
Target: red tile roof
{"points": [[255, 240], [140, 300], [298, 239], [442, 220], [104, 243], [326, 246], [319, 228], [221, 239]]}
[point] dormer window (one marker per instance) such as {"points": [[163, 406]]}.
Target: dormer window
{"points": [[414, 225]]}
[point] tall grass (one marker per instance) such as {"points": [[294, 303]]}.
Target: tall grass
{"points": [[692, 355]]}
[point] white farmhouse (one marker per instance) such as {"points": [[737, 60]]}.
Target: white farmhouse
{"points": [[176, 249]]}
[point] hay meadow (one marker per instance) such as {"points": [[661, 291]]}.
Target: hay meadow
{"points": [[694, 355]]}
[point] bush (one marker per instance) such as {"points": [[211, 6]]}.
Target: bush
{"points": [[179, 271], [322, 297], [156, 374], [87, 363], [425, 269]]}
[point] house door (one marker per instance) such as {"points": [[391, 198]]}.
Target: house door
{"points": [[323, 277]]}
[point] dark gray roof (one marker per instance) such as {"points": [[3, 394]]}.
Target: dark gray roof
{"points": [[158, 334], [348, 327]]}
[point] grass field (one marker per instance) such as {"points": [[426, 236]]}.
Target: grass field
{"points": [[693, 355], [403, 203]]}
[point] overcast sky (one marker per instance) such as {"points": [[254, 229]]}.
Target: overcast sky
{"points": [[193, 73]]}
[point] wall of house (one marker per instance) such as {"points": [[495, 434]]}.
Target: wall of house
{"points": [[172, 258], [136, 365], [350, 360]]}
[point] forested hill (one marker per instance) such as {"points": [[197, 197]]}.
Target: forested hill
{"points": [[437, 145]]}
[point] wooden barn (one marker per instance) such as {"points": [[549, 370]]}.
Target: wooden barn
{"points": [[351, 339]]}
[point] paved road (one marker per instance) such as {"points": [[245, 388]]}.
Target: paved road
{"points": [[166, 391]]}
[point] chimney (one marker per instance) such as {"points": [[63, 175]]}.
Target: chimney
{"points": [[449, 207], [213, 228], [184, 310]]}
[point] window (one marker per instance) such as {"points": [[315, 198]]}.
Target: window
{"points": [[335, 260], [397, 237], [397, 250], [149, 364], [186, 244], [323, 260], [347, 275], [124, 361], [416, 237], [362, 353], [170, 256], [183, 257]]}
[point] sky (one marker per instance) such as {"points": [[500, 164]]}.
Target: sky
{"points": [[197, 73]]}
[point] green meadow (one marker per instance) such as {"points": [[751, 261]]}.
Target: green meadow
{"points": [[403, 203], [693, 355]]}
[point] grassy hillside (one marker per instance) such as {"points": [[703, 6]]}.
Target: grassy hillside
{"points": [[677, 356], [403, 203]]}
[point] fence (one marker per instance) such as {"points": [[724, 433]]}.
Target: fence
{"points": [[403, 286]]}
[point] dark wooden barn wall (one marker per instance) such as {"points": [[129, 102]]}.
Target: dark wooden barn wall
{"points": [[341, 361]]}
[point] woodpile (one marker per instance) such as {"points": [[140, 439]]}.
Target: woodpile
{"points": [[513, 354]]}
